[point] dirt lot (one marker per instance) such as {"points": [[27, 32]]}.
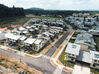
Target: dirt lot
{"points": [[15, 65]]}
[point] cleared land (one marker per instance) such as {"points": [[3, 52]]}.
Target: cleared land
{"points": [[42, 17], [13, 21]]}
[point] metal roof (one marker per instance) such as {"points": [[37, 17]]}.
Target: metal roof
{"points": [[23, 38], [29, 41], [12, 36], [85, 38], [94, 55], [38, 41], [73, 48], [85, 57]]}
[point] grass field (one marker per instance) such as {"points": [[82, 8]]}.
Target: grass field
{"points": [[64, 61], [97, 42], [72, 40], [95, 71]]}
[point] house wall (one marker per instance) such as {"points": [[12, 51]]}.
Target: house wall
{"points": [[70, 57], [84, 47]]}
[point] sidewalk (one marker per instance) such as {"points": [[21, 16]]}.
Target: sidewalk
{"points": [[56, 55], [34, 55]]}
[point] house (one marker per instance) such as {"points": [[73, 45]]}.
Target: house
{"points": [[95, 59], [12, 39], [57, 28], [72, 51], [2, 37], [21, 29], [86, 41], [45, 39], [24, 32], [38, 44], [28, 27], [48, 34], [32, 26], [94, 31], [22, 39], [35, 20], [84, 57], [31, 30], [29, 43], [37, 25]]}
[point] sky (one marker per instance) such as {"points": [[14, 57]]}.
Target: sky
{"points": [[54, 4]]}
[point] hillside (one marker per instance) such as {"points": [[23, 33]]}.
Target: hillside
{"points": [[10, 12]]}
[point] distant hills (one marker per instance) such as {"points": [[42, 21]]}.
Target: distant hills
{"points": [[34, 8]]}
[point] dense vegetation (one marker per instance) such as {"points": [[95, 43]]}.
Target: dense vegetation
{"points": [[6, 12], [55, 13], [96, 38], [9, 15]]}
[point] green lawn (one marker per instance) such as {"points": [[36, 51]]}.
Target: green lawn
{"points": [[10, 28], [97, 42], [62, 58], [64, 61], [95, 71], [75, 34], [72, 40]]}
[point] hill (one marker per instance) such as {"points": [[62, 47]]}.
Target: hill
{"points": [[34, 8], [6, 12]]}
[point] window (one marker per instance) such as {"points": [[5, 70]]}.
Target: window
{"points": [[95, 60]]}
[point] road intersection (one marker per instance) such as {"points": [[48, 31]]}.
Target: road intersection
{"points": [[42, 63]]}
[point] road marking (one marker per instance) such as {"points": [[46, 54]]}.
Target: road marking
{"points": [[47, 57]]}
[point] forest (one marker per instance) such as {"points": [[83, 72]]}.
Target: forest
{"points": [[6, 12]]}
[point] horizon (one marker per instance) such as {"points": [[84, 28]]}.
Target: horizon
{"points": [[54, 4]]}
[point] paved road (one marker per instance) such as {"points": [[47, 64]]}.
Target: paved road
{"points": [[41, 63], [51, 51]]}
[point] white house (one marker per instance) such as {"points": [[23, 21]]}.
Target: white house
{"points": [[95, 58], [38, 44], [72, 51], [12, 39], [29, 41]]}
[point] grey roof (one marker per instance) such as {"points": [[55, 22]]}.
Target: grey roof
{"points": [[94, 55], [73, 48], [85, 38], [38, 41], [85, 57], [21, 29], [29, 41], [2, 35], [23, 38], [12, 36]]}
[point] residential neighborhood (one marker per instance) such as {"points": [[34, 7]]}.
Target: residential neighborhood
{"points": [[49, 37]]}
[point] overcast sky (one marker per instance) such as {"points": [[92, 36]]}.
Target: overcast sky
{"points": [[54, 4]]}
